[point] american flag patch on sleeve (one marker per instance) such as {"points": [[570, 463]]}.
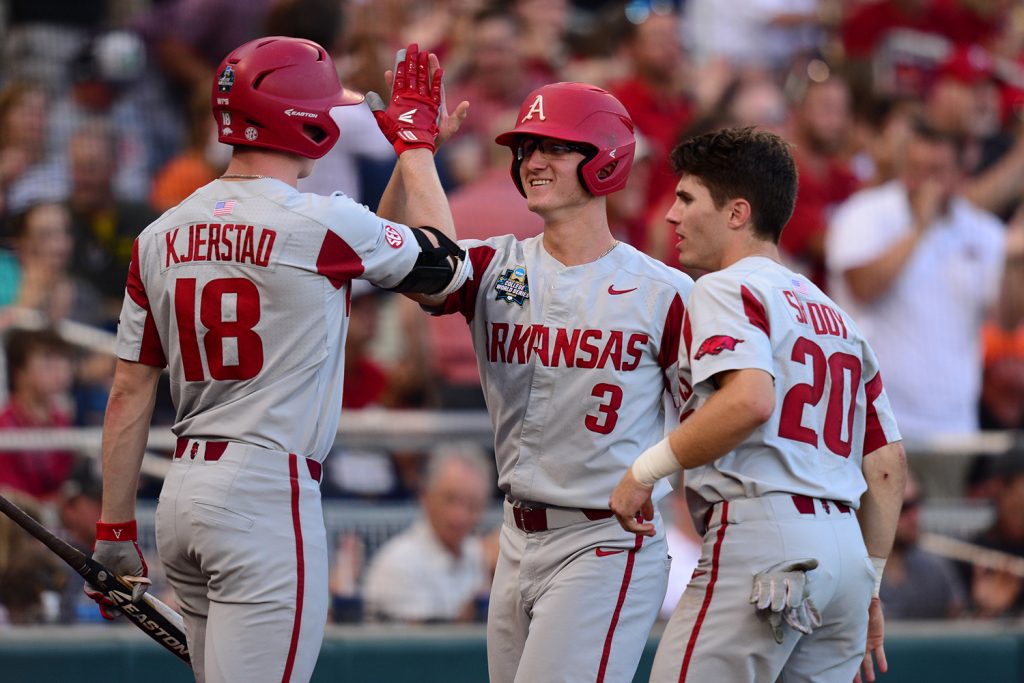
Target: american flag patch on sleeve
{"points": [[224, 207]]}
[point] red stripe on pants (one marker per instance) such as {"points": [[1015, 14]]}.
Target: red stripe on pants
{"points": [[618, 608], [300, 566], [707, 595]]}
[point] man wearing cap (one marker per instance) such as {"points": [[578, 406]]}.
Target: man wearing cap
{"points": [[577, 337]]}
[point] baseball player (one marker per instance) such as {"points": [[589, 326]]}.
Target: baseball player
{"points": [[795, 466], [242, 292], [576, 336]]}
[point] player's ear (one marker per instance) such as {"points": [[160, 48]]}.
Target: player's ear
{"points": [[739, 212]]}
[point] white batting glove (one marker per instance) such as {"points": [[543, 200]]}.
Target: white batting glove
{"points": [[780, 590]]}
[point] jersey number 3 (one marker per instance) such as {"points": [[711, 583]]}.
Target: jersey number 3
{"points": [[838, 414], [229, 309]]}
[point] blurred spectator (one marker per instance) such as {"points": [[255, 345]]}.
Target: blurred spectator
{"points": [[881, 129], [24, 109], [495, 83], [435, 571], [657, 93], [993, 592], [37, 277], [105, 87], [919, 269], [762, 33], [821, 123], [30, 575], [867, 24], [79, 510], [42, 38], [189, 38], [545, 23], [684, 547], [104, 227], [40, 371], [917, 584], [1002, 385], [195, 165]]}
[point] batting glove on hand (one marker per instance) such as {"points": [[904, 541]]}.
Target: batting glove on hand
{"points": [[780, 590], [117, 549], [410, 119]]}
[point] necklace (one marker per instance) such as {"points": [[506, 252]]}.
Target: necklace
{"points": [[615, 243], [243, 176]]}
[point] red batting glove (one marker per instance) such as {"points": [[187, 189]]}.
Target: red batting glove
{"points": [[117, 549], [410, 118]]}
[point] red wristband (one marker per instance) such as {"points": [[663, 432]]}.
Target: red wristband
{"points": [[120, 531]]}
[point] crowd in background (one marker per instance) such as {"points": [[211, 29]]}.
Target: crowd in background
{"points": [[907, 123]]}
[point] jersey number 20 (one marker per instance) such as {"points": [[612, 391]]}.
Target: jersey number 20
{"points": [[227, 330], [836, 367]]}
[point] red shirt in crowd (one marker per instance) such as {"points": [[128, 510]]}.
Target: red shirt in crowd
{"points": [[37, 473]]}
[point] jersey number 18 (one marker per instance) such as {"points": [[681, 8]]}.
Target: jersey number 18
{"points": [[229, 309]]}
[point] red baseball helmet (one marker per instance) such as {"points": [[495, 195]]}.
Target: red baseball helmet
{"points": [[577, 112], [277, 93]]}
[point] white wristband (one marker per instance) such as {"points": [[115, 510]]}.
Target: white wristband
{"points": [[656, 462], [879, 563]]}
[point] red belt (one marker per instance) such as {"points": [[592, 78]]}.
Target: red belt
{"points": [[215, 449], [532, 519], [805, 505]]}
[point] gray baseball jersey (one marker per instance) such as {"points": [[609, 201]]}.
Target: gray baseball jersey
{"points": [[244, 288], [789, 491], [831, 407], [576, 364], [579, 367]]}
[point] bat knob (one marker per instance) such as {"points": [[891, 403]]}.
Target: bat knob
{"points": [[101, 576]]}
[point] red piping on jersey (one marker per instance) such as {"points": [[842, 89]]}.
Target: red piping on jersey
{"points": [[150, 351], [668, 354], [300, 566], [464, 299], [874, 435], [754, 309], [707, 594], [606, 653], [337, 261], [687, 333]]}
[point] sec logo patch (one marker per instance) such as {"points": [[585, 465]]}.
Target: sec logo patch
{"points": [[393, 237]]}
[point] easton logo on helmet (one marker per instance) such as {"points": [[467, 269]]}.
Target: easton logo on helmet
{"points": [[294, 112], [226, 80], [536, 108], [715, 344]]}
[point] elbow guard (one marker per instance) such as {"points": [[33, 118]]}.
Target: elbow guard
{"points": [[439, 270]]}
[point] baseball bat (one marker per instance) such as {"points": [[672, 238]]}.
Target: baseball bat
{"points": [[971, 553], [153, 617]]}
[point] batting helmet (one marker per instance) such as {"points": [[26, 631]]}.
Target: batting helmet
{"points": [[277, 93], [577, 112]]}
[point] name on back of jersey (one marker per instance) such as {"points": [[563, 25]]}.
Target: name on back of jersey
{"points": [[561, 347], [247, 245], [817, 315]]}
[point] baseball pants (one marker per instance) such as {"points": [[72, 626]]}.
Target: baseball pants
{"points": [[715, 633], [575, 602], [241, 535]]}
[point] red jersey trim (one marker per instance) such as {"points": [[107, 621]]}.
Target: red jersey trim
{"points": [[668, 354], [463, 300], [151, 352], [715, 555], [337, 261], [874, 435], [755, 311]]}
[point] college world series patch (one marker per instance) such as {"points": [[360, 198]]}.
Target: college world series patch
{"points": [[512, 286]]}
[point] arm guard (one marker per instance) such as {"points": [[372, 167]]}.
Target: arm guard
{"points": [[439, 270]]}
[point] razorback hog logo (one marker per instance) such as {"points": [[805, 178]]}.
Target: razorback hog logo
{"points": [[714, 345]]}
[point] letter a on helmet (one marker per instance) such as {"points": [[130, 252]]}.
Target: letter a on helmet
{"points": [[581, 113]]}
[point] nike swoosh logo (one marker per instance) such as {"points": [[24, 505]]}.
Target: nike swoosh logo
{"points": [[613, 291], [696, 574], [601, 552], [407, 116]]}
